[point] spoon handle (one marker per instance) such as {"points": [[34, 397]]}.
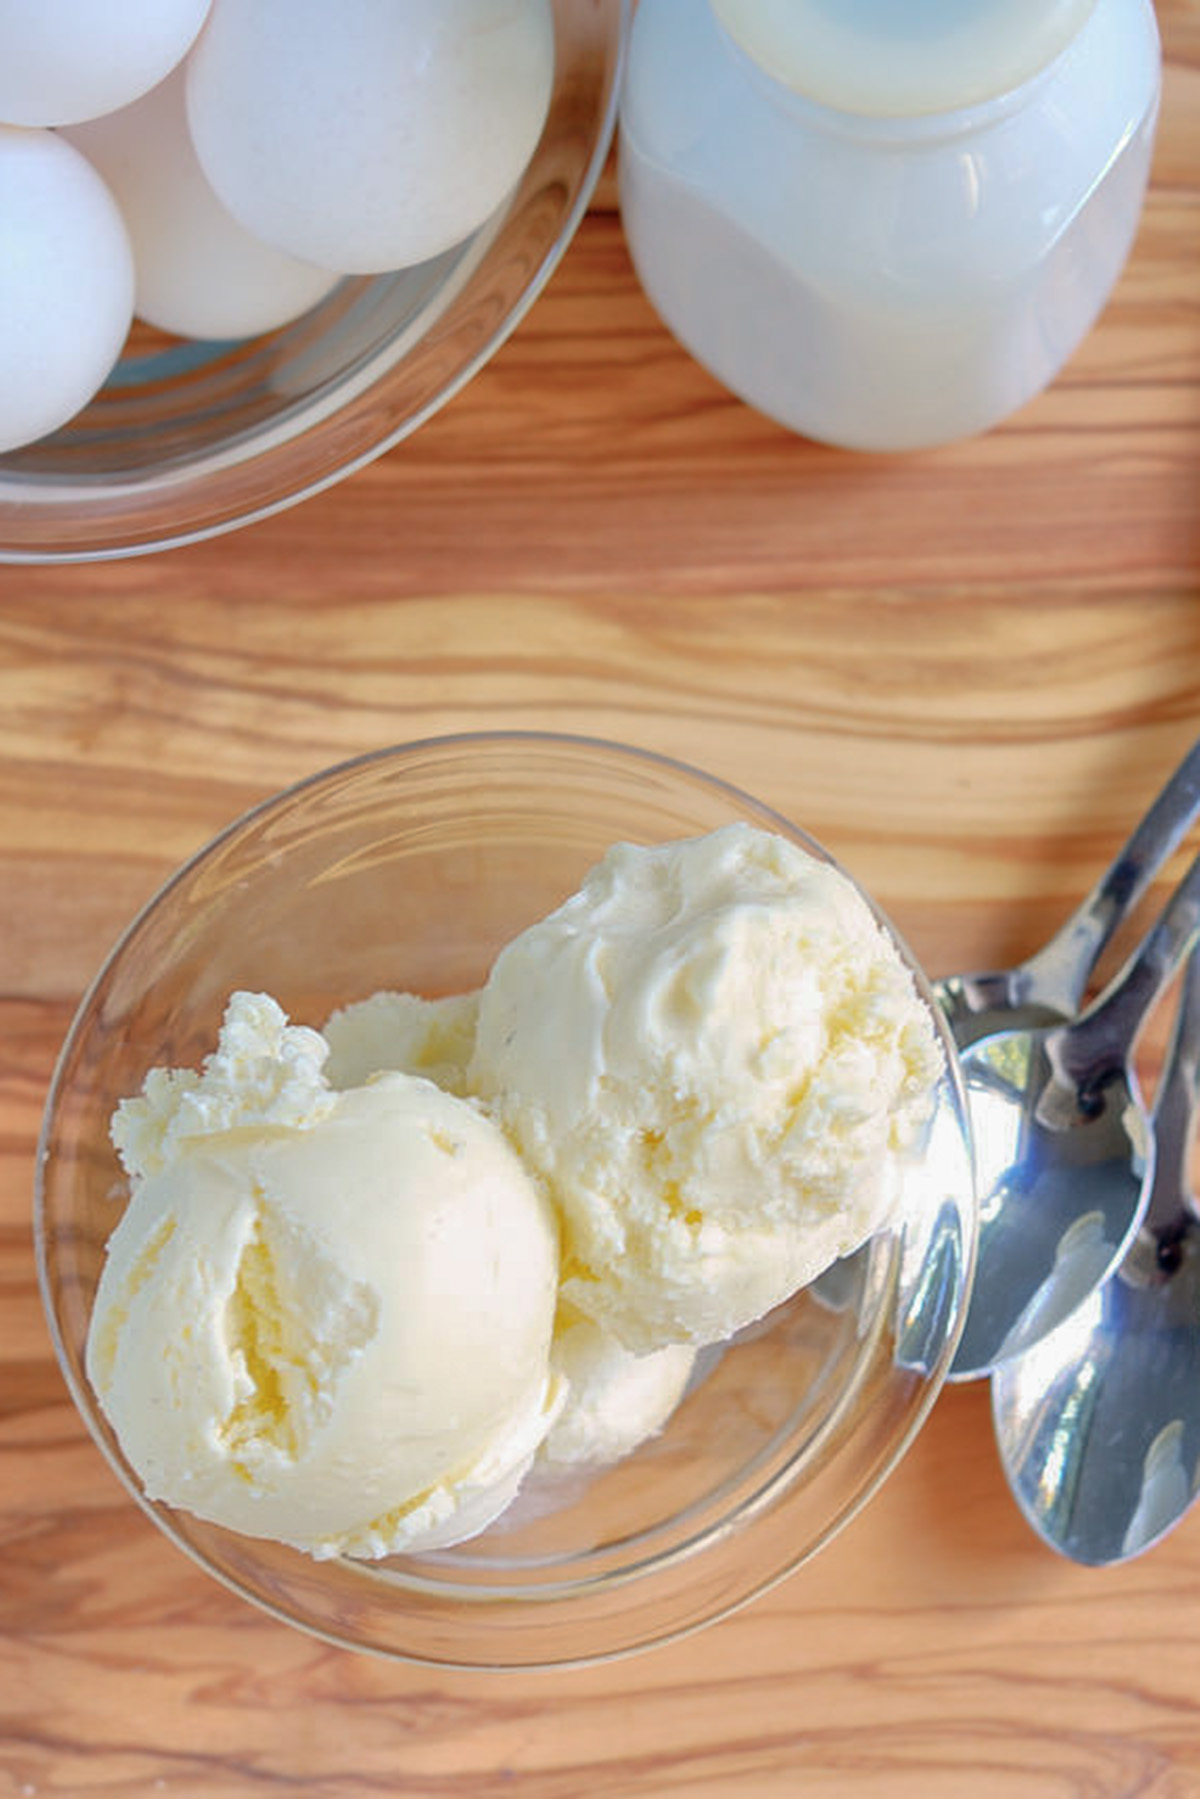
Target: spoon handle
{"points": [[1105, 1034], [1176, 1105], [1057, 974]]}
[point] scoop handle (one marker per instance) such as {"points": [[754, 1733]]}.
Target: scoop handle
{"points": [[1105, 1034], [1057, 974]]}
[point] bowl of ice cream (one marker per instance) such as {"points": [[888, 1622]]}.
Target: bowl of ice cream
{"points": [[317, 253], [506, 1202]]}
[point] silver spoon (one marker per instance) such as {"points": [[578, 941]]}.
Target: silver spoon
{"points": [[1098, 1427], [1063, 1150], [1051, 984]]}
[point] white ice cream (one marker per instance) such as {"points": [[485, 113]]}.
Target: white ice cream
{"points": [[709, 1054], [432, 1037], [264, 1071], [615, 1399], [324, 1321], [334, 1312]]}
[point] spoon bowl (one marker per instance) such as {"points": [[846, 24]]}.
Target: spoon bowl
{"points": [[1061, 1175], [1098, 1426], [1064, 1151]]}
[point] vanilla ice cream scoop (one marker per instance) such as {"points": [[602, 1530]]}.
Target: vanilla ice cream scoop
{"points": [[710, 1054], [615, 1400], [336, 1333], [264, 1071], [404, 1031]]}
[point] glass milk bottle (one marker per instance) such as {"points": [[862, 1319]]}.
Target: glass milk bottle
{"points": [[885, 223]]}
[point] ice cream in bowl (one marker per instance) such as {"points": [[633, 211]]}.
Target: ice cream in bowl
{"points": [[506, 1202]]}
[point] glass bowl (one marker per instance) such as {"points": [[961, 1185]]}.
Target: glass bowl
{"points": [[410, 869], [188, 439]]}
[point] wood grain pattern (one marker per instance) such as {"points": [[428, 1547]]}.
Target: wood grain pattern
{"points": [[965, 671]]}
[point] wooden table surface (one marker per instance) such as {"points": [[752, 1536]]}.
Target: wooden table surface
{"points": [[966, 672]]}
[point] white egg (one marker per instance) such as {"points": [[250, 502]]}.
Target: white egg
{"points": [[66, 60], [66, 297], [370, 134], [199, 274]]}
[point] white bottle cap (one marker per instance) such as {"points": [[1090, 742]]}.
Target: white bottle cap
{"points": [[902, 58]]}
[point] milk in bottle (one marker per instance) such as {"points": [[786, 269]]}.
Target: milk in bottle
{"points": [[885, 223]]}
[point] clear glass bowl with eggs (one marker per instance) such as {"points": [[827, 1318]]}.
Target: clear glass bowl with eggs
{"points": [[210, 420], [410, 869]]}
